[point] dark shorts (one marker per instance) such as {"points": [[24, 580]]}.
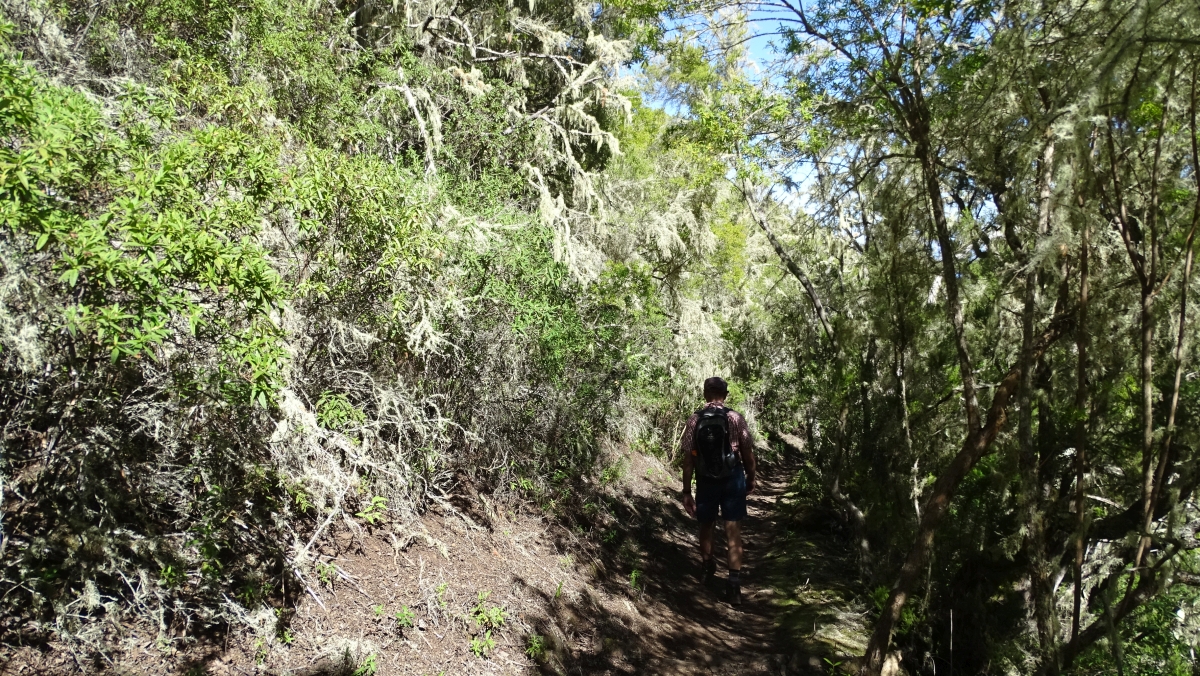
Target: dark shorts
{"points": [[728, 496]]}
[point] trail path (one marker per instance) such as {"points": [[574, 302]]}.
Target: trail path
{"points": [[624, 600], [796, 617]]}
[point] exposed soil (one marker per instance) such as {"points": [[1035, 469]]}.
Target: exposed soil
{"points": [[621, 596]]}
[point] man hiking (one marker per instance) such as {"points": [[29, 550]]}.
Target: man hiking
{"points": [[716, 446]]}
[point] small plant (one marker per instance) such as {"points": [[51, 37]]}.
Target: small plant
{"points": [[250, 593], [405, 618], [635, 579], [523, 484], [488, 617], [286, 637], [440, 590], [613, 473], [536, 650], [378, 610], [481, 647], [326, 573], [299, 496], [373, 512], [367, 667], [335, 412], [260, 651], [171, 577], [558, 591]]}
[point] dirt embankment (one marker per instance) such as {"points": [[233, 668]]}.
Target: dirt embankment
{"points": [[483, 589]]}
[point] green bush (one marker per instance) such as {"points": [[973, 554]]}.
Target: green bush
{"points": [[135, 248], [147, 240]]}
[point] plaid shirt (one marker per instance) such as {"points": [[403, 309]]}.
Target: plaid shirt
{"points": [[739, 432]]}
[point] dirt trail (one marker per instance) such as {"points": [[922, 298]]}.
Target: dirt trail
{"points": [[623, 600], [797, 616], [613, 590]]}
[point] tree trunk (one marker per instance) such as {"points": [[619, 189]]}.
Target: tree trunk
{"points": [[1150, 469], [1041, 598], [1081, 432], [974, 446]]}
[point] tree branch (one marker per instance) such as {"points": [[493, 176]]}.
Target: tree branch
{"points": [[792, 268]]}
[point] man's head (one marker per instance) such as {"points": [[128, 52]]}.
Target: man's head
{"points": [[715, 389]]}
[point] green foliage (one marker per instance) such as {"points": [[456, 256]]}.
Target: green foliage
{"points": [[151, 309], [326, 573], [299, 497], [171, 576], [221, 224], [405, 618], [367, 667], [614, 472], [835, 666], [482, 646], [1158, 639], [965, 182], [335, 412], [536, 292], [144, 257], [535, 647], [261, 652], [488, 616], [374, 511]]}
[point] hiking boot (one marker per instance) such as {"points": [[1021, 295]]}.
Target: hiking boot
{"points": [[733, 593], [710, 573]]}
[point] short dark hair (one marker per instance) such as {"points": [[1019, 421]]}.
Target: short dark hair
{"points": [[715, 388]]}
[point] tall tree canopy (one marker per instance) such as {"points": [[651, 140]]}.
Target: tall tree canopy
{"points": [[1031, 169]]}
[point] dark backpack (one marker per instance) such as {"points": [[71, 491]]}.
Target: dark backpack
{"points": [[714, 454]]}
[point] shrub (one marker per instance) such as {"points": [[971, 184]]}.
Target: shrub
{"points": [[144, 356]]}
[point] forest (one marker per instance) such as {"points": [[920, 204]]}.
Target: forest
{"points": [[276, 273]]}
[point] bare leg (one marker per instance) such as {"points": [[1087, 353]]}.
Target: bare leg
{"points": [[733, 534], [706, 540]]}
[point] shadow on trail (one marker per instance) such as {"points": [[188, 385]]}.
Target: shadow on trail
{"points": [[795, 618]]}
